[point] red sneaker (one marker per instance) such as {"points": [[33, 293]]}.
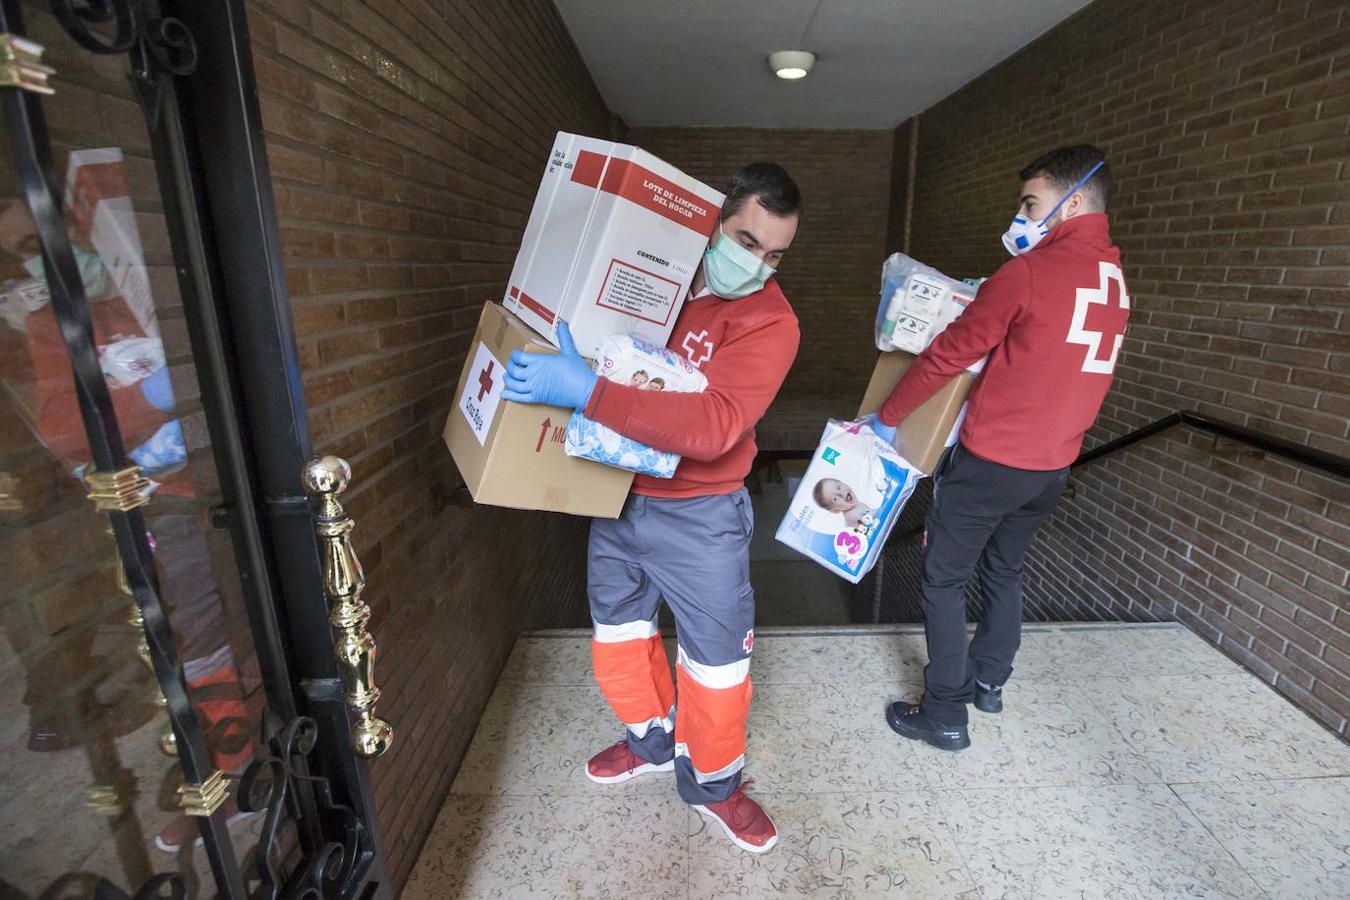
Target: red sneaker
{"points": [[177, 832], [618, 763], [744, 821]]}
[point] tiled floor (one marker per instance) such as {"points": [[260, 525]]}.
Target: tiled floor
{"points": [[1131, 761]]}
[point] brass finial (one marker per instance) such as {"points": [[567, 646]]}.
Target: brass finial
{"points": [[344, 581]]}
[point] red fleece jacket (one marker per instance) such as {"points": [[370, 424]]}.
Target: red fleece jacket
{"points": [[1052, 321], [745, 348]]}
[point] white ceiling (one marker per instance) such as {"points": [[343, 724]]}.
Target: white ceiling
{"points": [[704, 62]]}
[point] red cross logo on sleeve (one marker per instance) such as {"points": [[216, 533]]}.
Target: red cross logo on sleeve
{"points": [[485, 381], [749, 642], [1109, 319]]}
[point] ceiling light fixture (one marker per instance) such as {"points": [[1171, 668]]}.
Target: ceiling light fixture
{"points": [[791, 64]]}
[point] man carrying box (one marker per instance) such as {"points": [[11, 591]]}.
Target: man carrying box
{"points": [[686, 539], [1052, 321]]}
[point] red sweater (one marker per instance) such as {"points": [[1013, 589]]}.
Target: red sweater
{"points": [[57, 404], [745, 348], [1052, 321]]}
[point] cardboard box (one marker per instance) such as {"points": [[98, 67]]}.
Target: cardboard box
{"points": [[511, 454], [100, 204], [613, 241], [931, 428]]}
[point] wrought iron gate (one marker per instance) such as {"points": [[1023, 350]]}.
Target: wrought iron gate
{"points": [[143, 369]]}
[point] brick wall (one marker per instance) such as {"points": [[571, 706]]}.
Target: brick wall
{"points": [[832, 275], [1228, 126], [405, 155]]}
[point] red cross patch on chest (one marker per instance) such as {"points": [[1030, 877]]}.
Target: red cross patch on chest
{"points": [[697, 348]]}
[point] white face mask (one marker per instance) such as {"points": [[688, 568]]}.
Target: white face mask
{"points": [[93, 273], [1023, 234]]}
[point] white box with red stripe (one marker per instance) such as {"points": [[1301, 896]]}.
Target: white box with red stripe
{"points": [[613, 241]]}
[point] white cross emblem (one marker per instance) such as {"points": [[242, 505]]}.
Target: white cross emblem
{"points": [[1079, 333], [693, 348]]}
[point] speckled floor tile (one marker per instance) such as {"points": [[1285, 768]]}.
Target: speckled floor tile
{"points": [[809, 657], [1120, 842], [791, 656], [1047, 735], [550, 660], [835, 845], [820, 737], [1063, 795], [1068, 652], [534, 739], [1217, 728], [595, 846], [1292, 836]]}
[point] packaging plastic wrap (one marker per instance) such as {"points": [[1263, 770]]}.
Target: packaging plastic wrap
{"points": [[917, 303], [627, 359], [127, 361], [848, 501]]}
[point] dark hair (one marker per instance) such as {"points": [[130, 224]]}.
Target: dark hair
{"points": [[767, 182], [818, 493], [1065, 166]]}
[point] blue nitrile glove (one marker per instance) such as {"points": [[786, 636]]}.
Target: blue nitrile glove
{"points": [[158, 391], [885, 432], [553, 379]]}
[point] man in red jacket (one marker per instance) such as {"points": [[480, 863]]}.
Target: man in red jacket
{"points": [[1052, 321], [686, 539]]}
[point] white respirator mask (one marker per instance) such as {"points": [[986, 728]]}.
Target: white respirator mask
{"points": [[1023, 234]]}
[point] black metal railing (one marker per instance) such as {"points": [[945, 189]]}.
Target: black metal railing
{"points": [[890, 594], [1301, 453]]}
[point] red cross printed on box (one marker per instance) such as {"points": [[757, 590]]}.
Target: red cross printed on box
{"points": [[1108, 319], [485, 381]]}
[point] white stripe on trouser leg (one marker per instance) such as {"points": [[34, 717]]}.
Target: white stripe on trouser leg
{"points": [[718, 677], [704, 777], [628, 631], [640, 729]]}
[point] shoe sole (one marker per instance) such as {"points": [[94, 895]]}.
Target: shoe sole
{"points": [[744, 845], [949, 745], [644, 769]]}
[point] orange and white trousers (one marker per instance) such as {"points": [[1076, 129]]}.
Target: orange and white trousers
{"points": [[693, 554]]}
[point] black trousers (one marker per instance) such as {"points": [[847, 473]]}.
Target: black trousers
{"points": [[983, 516]]}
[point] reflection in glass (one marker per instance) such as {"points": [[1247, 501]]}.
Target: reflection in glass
{"points": [[88, 790]]}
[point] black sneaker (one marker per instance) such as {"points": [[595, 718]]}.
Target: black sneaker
{"points": [[908, 720], [988, 700]]}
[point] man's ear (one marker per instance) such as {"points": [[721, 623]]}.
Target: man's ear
{"points": [[1076, 205]]}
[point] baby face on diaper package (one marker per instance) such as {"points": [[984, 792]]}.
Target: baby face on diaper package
{"points": [[630, 360], [848, 501]]}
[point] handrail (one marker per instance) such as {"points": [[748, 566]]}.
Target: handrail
{"points": [[1301, 453]]}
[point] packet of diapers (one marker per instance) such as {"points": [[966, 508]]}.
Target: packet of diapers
{"points": [[849, 499], [628, 359]]}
